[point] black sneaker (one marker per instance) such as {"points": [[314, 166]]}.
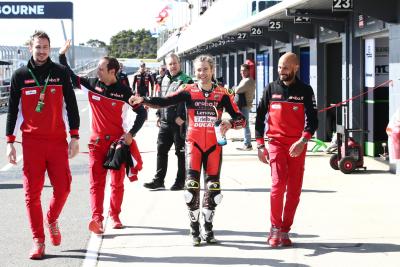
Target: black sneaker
{"points": [[154, 185], [177, 187]]}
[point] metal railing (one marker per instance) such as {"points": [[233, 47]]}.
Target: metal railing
{"points": [[19, 55], [4, 95], [86, 59]]}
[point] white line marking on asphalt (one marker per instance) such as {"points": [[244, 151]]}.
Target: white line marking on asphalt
{"points": [[9, 165], [95, 241]]}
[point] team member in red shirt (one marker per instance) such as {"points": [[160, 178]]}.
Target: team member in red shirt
{"points": [[288, 107], [112, 118], [41, 93], [205, 101]]}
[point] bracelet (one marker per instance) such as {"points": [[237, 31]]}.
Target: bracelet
{"points": [[260, 146], [75, 137]]}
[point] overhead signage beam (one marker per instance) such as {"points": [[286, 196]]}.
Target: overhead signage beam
{"points": [[342, 5], [275, 25], [301, 20], [256, 31], [36, 10]]}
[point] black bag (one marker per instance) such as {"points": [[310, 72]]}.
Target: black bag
{"points": [[240, 100]]}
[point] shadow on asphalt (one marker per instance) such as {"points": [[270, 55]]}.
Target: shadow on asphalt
{"points": [[325, 248], [317, 249], [262, 190], [16, 186], [223, 261], [362, 172], [10, 186], [180, 231], [55, 256], [113, 257]]}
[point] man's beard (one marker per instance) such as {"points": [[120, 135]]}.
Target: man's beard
{"points": [[286, 77]]}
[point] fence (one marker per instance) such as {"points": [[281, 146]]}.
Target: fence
{"points": [[4, 94], [13, 57], [17, 56]]}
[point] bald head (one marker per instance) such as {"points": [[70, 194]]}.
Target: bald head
{"points": [[288, 66], [289, 58]]}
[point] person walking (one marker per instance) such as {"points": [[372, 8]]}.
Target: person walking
{"points": [[142, 82], [289, 110], [246, 90], [160, 76], [205, 102], [122, 76], [171, 121], [40, 94], [111, 119]]}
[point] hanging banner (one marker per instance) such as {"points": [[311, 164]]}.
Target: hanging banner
{"points": [[369, 62], [381, 60], [36, 10]]}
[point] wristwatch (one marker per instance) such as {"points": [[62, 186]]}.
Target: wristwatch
{"points": [[304, 140], [260, 146]]}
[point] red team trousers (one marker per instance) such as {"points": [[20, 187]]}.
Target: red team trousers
{"points": [[98, 148], [287, 175], [41, 155]]}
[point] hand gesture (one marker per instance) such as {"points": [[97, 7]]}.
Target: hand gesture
{"points": [[179, 121], [73, 148], [64, 49], [263, 155], [225, 126], [11, 154], [128, 138], [296, 149], [135, 100]]}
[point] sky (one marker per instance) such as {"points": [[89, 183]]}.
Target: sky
{"points": [[99, 19]]}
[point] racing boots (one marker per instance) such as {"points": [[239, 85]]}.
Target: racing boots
{"points": [[208, 234]]}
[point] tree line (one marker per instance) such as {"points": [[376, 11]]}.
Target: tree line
{"points": [[129, 44]]}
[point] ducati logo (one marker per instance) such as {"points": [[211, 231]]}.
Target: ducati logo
{"points": [[295, 108], [113, 104], [53, 90]]}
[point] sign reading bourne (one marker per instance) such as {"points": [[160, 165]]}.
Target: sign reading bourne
{"points": [[36, 10]]}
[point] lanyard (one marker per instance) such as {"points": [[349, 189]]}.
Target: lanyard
{"points": [[40, 103]]}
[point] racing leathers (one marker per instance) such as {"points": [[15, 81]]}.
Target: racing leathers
{"points": [[44, 145], [285, 114], [204, 107], [170, 132], [111, 118], [141, 84]]}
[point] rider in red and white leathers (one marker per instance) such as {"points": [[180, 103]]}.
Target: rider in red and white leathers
{"points": [[204, 107]]}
